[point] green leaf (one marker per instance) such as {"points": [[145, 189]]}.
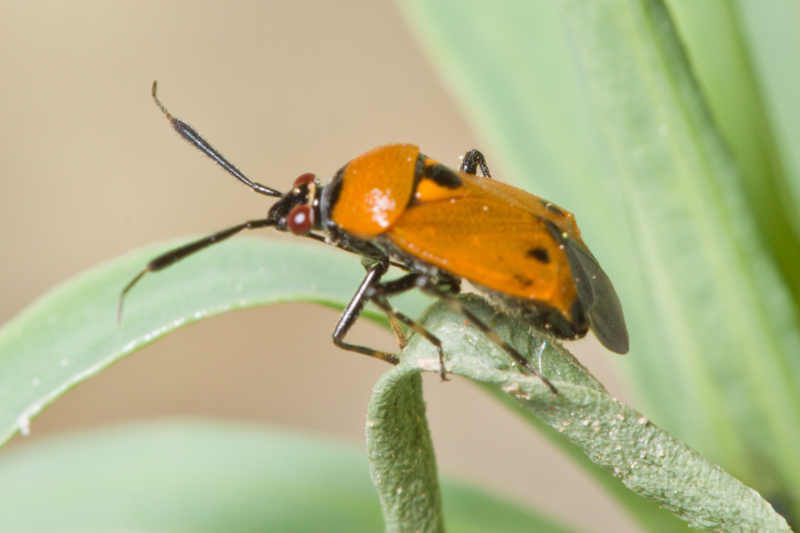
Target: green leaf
{"points": [[403, 466], [593, 105], [754, 47], [71, 333], [179, 475], [771, 37], [402, 461], [185, 476], [649, 461]]}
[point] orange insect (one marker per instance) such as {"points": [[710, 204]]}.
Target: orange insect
{"points": [[396, 207]]}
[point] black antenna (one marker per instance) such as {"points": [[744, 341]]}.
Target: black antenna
{"points": [[191, 135], [173, 256]]}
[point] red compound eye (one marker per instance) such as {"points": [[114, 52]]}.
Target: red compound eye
{"points": [[300, 219], [305, 178]]}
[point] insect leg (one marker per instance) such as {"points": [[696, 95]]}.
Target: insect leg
{"points": [[399, 334], [458, 306], [381, 301], [443, 283], [173, 256], [372, 290], [353, 311], [472, 160]]}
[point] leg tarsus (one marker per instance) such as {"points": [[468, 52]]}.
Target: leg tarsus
{"points": [[472, 160]]}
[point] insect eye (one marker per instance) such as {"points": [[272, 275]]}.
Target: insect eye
{"points": [[300, 220], [305, 178]]}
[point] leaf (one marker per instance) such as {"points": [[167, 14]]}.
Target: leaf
{"points": [[181, 475], [71, 333], [402, 462], [769, 32], [185, 476], [593, 105], [622, 441], [753, 47], [403, 466]]}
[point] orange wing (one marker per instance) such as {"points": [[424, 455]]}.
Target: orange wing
{"points": [[515, 243], [491, 234]]}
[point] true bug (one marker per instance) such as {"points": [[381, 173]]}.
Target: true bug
{"points": [[396, 207]]}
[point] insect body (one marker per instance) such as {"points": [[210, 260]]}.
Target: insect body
{"points": [[397, 207]]}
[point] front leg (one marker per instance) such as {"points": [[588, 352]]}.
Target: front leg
{"points": [[353, 311]]}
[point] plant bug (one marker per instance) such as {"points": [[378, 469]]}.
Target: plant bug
{"points": [[394, 206]]}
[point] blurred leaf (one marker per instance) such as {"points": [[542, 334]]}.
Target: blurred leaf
{"points": [[754, 48], [770, 32], [185, 476], [178, 475], [594, 106], [71, 333]]}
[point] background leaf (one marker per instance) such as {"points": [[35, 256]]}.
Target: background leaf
{"points": [[752, 47], [182, 475], [772, 44]]}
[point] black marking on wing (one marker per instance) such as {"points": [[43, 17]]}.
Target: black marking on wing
{"points": [[540, 254]]}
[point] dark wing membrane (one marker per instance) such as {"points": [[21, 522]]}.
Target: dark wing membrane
{"points": [[600, 300]]}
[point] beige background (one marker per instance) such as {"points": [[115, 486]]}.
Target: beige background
{"points": [[89, 169]]}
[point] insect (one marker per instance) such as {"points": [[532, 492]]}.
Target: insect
{"points": [[394, 206]]}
